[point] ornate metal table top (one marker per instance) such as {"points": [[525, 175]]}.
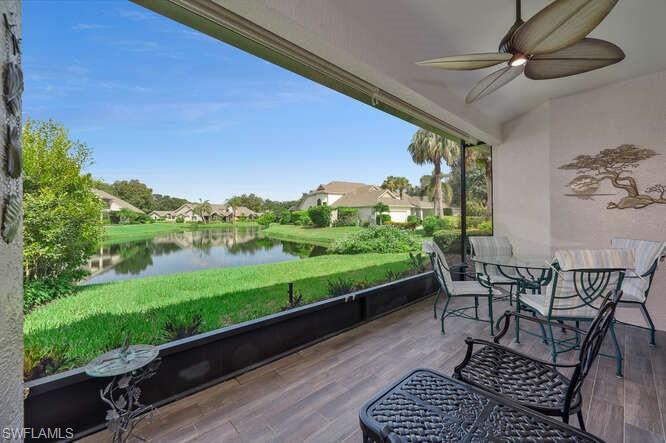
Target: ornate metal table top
{"points": [[516, 261], [122, 360], [428, 406]]}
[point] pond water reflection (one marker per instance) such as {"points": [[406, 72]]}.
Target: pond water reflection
{"points": [[192, 251]]}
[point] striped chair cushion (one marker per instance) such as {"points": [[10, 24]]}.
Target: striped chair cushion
{"points": [[490, 246], [569, 259], [445, 274], [635, 288]]}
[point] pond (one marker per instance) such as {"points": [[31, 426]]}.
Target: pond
{"points": [[192, 251]]}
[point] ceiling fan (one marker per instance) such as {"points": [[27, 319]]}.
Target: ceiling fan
{"points": [[552, 44]]}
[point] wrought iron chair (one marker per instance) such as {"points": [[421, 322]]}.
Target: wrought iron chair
{"points": [[636, 285], [580, 279], [490, 246], [454, 289], [536, 383]]}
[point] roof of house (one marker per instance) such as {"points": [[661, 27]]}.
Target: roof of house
{"points": [[242, 211], [370, 196], [159, 213], [340, 187], [103, 195], [216, 208]]}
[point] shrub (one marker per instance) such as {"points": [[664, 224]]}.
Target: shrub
{"points": [[341, 286], [475, 208], [381, 239], [486, 226], [448, 241], [417, 262], [180, 220], [475, 221], [347, 217], [320, 215], [175, 329], [432, 224], [392, 275], [402, 225], [43, 290], [38, 362], [414, 219], [447, 211], [295, 298], [266, 219], [300, 218], [284, 218]]}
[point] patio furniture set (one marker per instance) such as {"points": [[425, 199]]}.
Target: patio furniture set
{"points": [[500, 394]]}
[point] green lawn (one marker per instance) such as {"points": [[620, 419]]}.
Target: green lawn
{"points": [[316, 236], [123, 233], [96, 318]]}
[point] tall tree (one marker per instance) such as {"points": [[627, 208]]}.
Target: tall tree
{"points": [[62, 217], [167, 203], [480, 157], [135, 193], [427, 147], [203, 210], [250, 201], [397, 184]]}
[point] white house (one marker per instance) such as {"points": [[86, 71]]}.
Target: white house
{"points": [[364, 197], [113, 203]]}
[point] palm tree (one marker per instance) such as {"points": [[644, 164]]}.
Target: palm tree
{"points": [[380, 208], [203, 209], [397, 184], [481, 156], [427, 147]]}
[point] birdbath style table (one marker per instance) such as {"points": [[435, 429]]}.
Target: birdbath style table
{"points": [[129, 365]]}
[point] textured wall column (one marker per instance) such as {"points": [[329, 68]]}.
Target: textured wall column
{"points": [[11, 241]]}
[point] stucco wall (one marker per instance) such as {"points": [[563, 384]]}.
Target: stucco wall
{"points": [[11, 293], [530, 191], [521, 188]]}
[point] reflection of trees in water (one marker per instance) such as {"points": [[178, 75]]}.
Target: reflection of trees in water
{"points": [[134, 257], [302, 249]]}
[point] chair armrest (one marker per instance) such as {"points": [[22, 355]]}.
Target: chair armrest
{"points": [[507, 318]]}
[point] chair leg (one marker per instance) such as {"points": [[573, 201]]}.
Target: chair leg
{"points": [[476, 307], [646, 314], [543, 330], [517, 322], [434, 307], [553, 345], [446, 305], [581, 422], [490, 313], [618, 352]]}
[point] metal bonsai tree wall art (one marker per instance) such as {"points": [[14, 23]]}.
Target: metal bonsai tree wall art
{"points": [[616, 166]]}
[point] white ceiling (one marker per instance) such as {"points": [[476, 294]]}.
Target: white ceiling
{"points": [[388, 36]]}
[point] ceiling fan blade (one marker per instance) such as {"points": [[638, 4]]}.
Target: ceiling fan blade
{"points": [[586, 55], [493, 82], [560, 24], [467, 61]]}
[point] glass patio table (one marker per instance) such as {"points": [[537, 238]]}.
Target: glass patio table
{"points": [[528, 271]]}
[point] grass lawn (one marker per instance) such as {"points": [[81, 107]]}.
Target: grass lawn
{"points": [[123, 233], [96, 318], [316, 236]]}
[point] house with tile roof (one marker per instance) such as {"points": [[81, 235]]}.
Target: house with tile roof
{"points": [[364, 197], [113, 203]]}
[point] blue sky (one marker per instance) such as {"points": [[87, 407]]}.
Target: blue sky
{"points": [[194, 117]]}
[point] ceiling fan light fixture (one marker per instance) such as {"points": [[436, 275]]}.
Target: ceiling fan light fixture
{"points": [[518, 60]]}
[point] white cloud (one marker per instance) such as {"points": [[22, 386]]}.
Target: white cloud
{"points": [[88, 27]]}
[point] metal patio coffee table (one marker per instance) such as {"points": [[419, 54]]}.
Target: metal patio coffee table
{"points": [[426, 406]]}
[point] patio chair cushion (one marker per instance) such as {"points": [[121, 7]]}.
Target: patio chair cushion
{"points": [[634, 287], [570, 259], [470, 287], [490, 246], [529, 382]]}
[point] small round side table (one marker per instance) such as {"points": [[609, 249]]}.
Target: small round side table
{"points": [[129, 365]]}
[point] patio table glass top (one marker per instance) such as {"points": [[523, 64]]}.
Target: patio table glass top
{"points": [[516, 261]]}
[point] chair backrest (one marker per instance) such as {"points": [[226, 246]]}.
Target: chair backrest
{"points": [[582, 278], [440, 266], [647, 255], [489, 246], [589, 348]]}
